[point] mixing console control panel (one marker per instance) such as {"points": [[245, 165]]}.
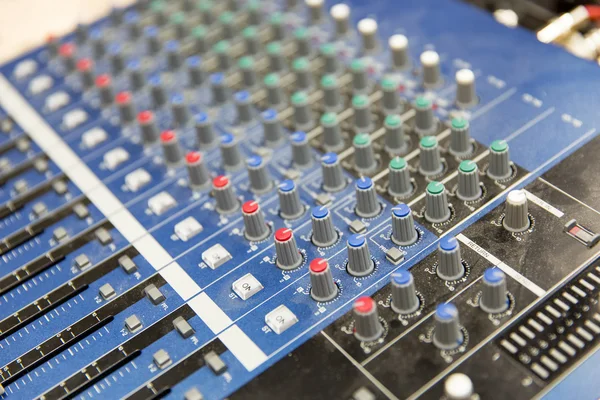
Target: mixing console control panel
{"points": [[299, 199]]}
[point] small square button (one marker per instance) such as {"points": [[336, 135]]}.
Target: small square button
{"points": [[280, 319], [183, 327], [107, 291], [357, 226], [133, 323], [127, 264], [394, 255], [162, 359], [154, 295], [247, 286], [216, 256]]}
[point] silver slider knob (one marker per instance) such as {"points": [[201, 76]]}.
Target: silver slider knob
{"points": [[404, 232], [450, 266], [367, 326], [447, 334], [225, 196], [404, 294], [323, 288], [288, 256], [324, 233], [516, 216], [359, 256], [367, 205], [255, 227], [171, 149], [468, 181], [493, 297], [197, 172], [290, 205]]}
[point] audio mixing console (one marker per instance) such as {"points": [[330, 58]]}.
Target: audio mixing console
{"points": [[305, 200]]}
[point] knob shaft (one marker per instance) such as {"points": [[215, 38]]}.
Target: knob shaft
{"points": [[447, 334], [436, 203], [493, 298], [366, 320], [288, 256], [468, 181], [258, 175], [359, 256], [450, 266], [516, 216], [290, 205], [333, 176], [323, 231], [403, 226], [255, 227], [225, 196], [404, 295], [323, 288], [367, 205], [499, 167], [197, 172]]}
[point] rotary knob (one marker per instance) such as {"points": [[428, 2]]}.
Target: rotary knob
{"points": [[148, 127], [333, 176], [362, 112], [404, 295], [499, 167], [430, 62], [301, 151], [516, 216], [465, 88], [303, 120], [430, 161], [450, 266], [460, 137], [243, 107], [436, 203], [288, 256], [272, 131], [399, 49], [197, 172], [171, 149], [205, 135], [395, 142], [468, 181], [390, 99], [359, 256], [332, 98], [364, 155], [493, 297], [447, 334], [403, 226], [340, 13], [399, 178], [323, 288], [224, 194], [367, 205], [367, 28], [425, 123], [258, 175], [332, 134], [367, 326], [124, 102], [290, 205], [458, 386], [230, 152], [323, 231], [179, 109], [255, 227]]}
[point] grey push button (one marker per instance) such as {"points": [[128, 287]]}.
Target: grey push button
{"points": [[81, 211], [215, 362], [193, 394], [39, 209], [127, 264], [154, 295], [103, 236], [82, 262], [162, 359], [183, 327], [107, 291], [133, 323], [357, 226], [394, 255], [60, 234]]}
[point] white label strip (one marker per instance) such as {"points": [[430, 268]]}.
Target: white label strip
{"points": [[541, 203], [242, 347], [210, 313], [180, 281], [508, 270]]}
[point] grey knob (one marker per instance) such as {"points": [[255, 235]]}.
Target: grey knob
{"points": [[224, 59], [132, 19], [230, 152], [499, 166], [340, 13], [290, 206], [403, 226], [430, 161], [153, 44], [399, 49], [324, 233], [436, 203], [206, 12], [277, 61], [197, 171], [272, 131], [116, 58], [179, 109], [225, 196], [323, 288], [332, 134], [447, 334], [137, 77], [171, 149], [315, 10], [394, 134], [332, 99], [450, 266], [67, 55], [367, 205], [248, 70], [399, 178], [330, 58], [468, 181], [277, 26], [302, 40], [181, 29], [430, 62], [425, 122], [98, 44], [148, 127], [201, 43], [255, 227], [458, 386], [174, 58], [205, 135], [460, 137], [362, 113], [251, 40], [196, 74], [126, 107], [465, 88], [359, 256], [243, 107], [228, 28], [303, 120], [81, 33], [85, 66], [367, 326], [288, 256], [218, 89], [390, 100], [333, 176], [258, 175], [157, 91], [360, 79], [303, 74], [275, 95], [367, 28], [105, 89], [404, 294], [301, 150], [516, 217], [364, 156], [493, 297]]}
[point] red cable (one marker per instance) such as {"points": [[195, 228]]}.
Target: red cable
{"points": [[593, 12]]}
